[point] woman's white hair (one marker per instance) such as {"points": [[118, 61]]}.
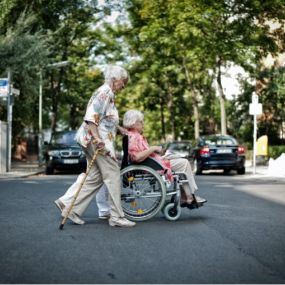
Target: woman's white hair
{"points": [[115, 72], [131, 117]]}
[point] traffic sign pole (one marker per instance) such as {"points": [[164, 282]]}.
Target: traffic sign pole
{"points": [[40, 136], [254, 143], [9, 124], [255, 109]]}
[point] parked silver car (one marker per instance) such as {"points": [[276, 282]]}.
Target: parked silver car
{"points": [[182, 148]]}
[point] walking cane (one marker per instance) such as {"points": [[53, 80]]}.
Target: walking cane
{"points": [[79, 189]]}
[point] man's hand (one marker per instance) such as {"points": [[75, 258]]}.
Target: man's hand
{"points": [[123, 131], [98, 142]]}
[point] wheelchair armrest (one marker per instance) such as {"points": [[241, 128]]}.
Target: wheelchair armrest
{"points": [[152, 163]]}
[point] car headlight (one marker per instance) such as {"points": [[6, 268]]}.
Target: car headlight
{"points": [[53, 153]]}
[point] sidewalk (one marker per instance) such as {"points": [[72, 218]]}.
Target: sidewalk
{"points": [[260, 170], [20, 169]]}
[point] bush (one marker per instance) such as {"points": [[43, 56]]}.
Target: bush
{"points": [[275, 151]]}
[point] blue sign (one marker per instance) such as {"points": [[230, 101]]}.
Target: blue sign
{"points": [[4, 87]]}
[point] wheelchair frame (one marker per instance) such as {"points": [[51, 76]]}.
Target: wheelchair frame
{"points": [[145, 190]]}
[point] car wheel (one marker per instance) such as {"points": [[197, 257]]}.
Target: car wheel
{"points": [[227, 171], [241, 170], [49, 170]]}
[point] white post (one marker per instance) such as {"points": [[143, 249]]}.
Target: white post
{"points": [[9, 123], [254, 143], [255, 109], [40, 118]]}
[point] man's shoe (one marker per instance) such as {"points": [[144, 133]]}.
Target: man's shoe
{"points": [[104, 217], [200, 199], [121, 222], [74, 218], [59, 204]]}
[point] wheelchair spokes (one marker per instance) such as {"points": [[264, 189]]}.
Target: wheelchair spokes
{"points": [[142, 192]]}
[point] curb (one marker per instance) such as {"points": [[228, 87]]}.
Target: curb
{"points": [[18, 174]]}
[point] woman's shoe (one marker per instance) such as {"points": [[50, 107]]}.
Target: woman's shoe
{"points": [[200, 199]]}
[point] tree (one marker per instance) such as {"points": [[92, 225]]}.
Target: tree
{"points": [[22, 52], [187, 32]]}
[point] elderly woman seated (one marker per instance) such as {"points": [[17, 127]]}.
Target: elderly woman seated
{"points": [[139, 150]]}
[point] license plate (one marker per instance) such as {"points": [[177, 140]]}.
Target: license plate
{"points": [[224, 150], [70, 161]]}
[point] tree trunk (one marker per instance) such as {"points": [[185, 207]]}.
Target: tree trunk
{"points": [[72, 118], [196, 120], [162, 121], [222, 99], [56, 88], [172, 111], [195, 102], [54, 106]]}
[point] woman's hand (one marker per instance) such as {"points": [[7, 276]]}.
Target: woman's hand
{"points": [[156, 148]]}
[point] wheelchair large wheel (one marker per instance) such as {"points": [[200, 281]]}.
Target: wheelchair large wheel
{"points": [[143, 192]]}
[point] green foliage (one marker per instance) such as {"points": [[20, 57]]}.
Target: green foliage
{"points": [[172, 49], [273, 100], [22, 52], [274, 151], [19, 49]]}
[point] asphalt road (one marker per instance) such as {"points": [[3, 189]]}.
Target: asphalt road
{"points": [[237, 237]]}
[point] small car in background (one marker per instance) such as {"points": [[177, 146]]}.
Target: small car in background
{"points": [[219, 152], [63, 153], [181, 148]]}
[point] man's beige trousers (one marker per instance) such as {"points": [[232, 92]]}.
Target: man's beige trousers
{"points": [[104, 170]]}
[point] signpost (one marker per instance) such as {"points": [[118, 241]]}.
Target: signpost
{"points": [[255, 109], [8, 92]]}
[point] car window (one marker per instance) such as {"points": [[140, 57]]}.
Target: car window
{"points": [[64, 138], [179, 146], [220, 141]]}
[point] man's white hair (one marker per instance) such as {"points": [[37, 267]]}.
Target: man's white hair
{"points": [[131, 117], [115, 72]]}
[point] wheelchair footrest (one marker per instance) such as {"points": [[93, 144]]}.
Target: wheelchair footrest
{"points": [[192, 206]]}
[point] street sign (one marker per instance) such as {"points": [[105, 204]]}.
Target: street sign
{"points": [[255, 108], [4, 87], [16, 91]]}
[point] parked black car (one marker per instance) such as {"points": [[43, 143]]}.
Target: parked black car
{"points": [[219, 152], [63, 153], [182, 148]]}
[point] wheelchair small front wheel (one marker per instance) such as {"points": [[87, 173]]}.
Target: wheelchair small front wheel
{"points": [[172, 212]]}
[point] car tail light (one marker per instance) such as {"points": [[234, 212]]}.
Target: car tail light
{"points": [[205, 150], [241, 150]]}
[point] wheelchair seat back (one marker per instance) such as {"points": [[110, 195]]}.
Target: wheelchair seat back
{"points": [[150, 162]]}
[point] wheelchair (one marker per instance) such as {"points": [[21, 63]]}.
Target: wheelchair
{"points": [[145, 190]]}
